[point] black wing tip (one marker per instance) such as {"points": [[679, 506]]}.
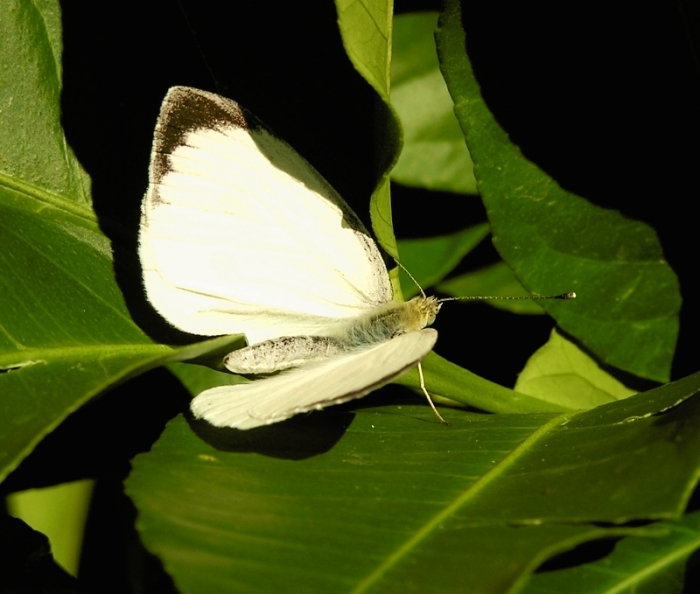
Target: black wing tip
{"points": [[186, 109]]}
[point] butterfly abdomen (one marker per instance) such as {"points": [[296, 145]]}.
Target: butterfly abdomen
{"points": [[282, 353]]}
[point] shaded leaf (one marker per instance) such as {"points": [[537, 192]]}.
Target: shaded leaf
{"points": [[434, 155], [33, 148], [636, 565], [197, 378], [386, 498], [59, 512], [430, 259], [628, 305], [365, 28], [495, 280]]}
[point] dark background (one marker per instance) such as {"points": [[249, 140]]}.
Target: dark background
{"points": [[603, 96]]}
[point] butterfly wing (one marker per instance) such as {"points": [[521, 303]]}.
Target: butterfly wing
{"points": [[335, 380], [240, 234]]}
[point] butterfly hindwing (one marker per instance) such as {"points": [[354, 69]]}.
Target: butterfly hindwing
{"points": [[313, 386]]}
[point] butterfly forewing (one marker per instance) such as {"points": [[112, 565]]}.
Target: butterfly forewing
{"points": [[240, 234]]}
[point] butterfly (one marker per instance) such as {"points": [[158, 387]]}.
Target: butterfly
{"points": [[240, 234]]}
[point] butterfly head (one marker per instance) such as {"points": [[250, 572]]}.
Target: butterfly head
{"points": [[423, 311]]}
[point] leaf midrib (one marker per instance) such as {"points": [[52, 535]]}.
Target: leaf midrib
{"points": [[469, 494], [25, 358], [49, 198]]}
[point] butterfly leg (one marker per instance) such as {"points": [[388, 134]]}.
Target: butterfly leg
{"points": [[427, 395]]}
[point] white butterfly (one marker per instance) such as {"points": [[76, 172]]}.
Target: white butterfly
{"points": [[239, 234]]}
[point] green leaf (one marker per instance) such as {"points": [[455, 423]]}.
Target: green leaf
{"points": [[496, 280], [60, 512], [429, 260], [65, 332], [641, 565], [365, 28], [447, 380], [629, 300], [28, 565], [434, 155], [560, 372], [197, 378], [35, 156], [386, 498]]}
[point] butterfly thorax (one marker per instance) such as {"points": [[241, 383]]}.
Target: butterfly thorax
{"points": [[389, 320]]}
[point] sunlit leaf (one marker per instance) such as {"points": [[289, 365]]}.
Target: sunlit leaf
{"points": [[561, 372]]}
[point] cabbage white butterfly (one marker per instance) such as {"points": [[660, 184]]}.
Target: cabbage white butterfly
{"points": [[239, 234]]}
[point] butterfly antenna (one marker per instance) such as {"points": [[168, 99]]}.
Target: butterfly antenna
{"points": [[569, 295], [425, 391], [422, 292]]}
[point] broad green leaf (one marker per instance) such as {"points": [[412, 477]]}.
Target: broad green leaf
{"points": [[384, 498], [434, 154], [429, 260], [639, 565], [496, 280], [560, 372], [65, 332], [628, 304], [365, 28]]}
